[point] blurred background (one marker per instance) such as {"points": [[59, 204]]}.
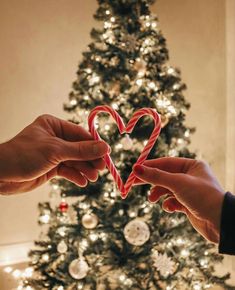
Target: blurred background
{"points": [[40, 46]]}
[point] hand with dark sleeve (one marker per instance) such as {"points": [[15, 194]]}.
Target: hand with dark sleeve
{"points": [[47, 148], [189, 186]]}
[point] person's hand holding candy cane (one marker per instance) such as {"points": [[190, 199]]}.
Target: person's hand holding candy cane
{"points": [[189, 187]]}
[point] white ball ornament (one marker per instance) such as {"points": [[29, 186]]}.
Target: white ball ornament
{"points": [[90, 221], [127, 142], [62, 247], [78, 268], [137, 232]]}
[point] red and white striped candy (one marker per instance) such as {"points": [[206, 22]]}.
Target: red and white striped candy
{"points": [[125, 188]]}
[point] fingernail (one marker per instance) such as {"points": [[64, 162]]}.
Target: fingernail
{"points": [[151, 198], [152, 190], [138, 169], [100, 148], [110, 150], [169, 208]]}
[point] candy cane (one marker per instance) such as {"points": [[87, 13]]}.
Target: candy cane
{"points": [[144, 154], [124, 189]]}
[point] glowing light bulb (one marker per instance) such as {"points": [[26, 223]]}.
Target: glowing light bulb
{"points": [[28, 272], [16, 274], [184, 253], [93, 237], [107, 127], [139, 82], [45, 257], [154, 24], [151, 85], [8, 269], [122, 278], [73, 102], [107, 24], [170, 70]]}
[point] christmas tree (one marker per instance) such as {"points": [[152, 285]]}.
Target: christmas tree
{"points": [[91, 238]]}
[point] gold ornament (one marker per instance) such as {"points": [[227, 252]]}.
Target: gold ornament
{"points": [[90, 221]]}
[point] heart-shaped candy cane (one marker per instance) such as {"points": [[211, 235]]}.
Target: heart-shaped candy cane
{"points": [[125, 188]]}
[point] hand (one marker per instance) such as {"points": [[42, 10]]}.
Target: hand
{"points": [[47, 148], [190, 187]]}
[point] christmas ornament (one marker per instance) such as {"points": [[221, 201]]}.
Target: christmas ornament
{"points": [[90, 221], [127, 142], [78, 268], [62, 247], [63, 206], [163, 263], [125, 188], [137, 232]]}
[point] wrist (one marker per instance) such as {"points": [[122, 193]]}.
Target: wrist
{"points": [[215, 220]]}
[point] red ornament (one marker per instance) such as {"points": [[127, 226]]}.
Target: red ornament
{"points": [[63, 206]]}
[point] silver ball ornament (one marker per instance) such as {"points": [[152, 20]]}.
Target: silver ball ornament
{"points": [[137, 232], [78, 268]]}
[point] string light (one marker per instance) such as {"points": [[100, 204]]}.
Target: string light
{"points": [[154, 24], [45, 257], [139, 82], [28, 272], [44, 218], [107, 24], [73, 102], [152, 85], [115, 106], [184, 253], [180, 241], [16, 274], [170, 70], [8, 269], [122, 278], [93, 237]]}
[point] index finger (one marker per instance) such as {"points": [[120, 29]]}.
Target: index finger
{"points": [[67, 130], [171, 164], [168, 164]]}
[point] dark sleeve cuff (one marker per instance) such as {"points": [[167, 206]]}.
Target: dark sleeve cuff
{"points": [[227, 225]]}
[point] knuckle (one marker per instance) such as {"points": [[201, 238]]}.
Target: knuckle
{"points": [[43, 118], [202, 164]]}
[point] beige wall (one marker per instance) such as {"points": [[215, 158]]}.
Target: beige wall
{"points": [[40, 45]]}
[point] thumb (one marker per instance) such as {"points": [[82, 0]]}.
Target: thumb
{"points": [[84, 150], [172, 181]]}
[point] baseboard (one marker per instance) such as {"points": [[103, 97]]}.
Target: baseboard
{"points": [[15, 253]]}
